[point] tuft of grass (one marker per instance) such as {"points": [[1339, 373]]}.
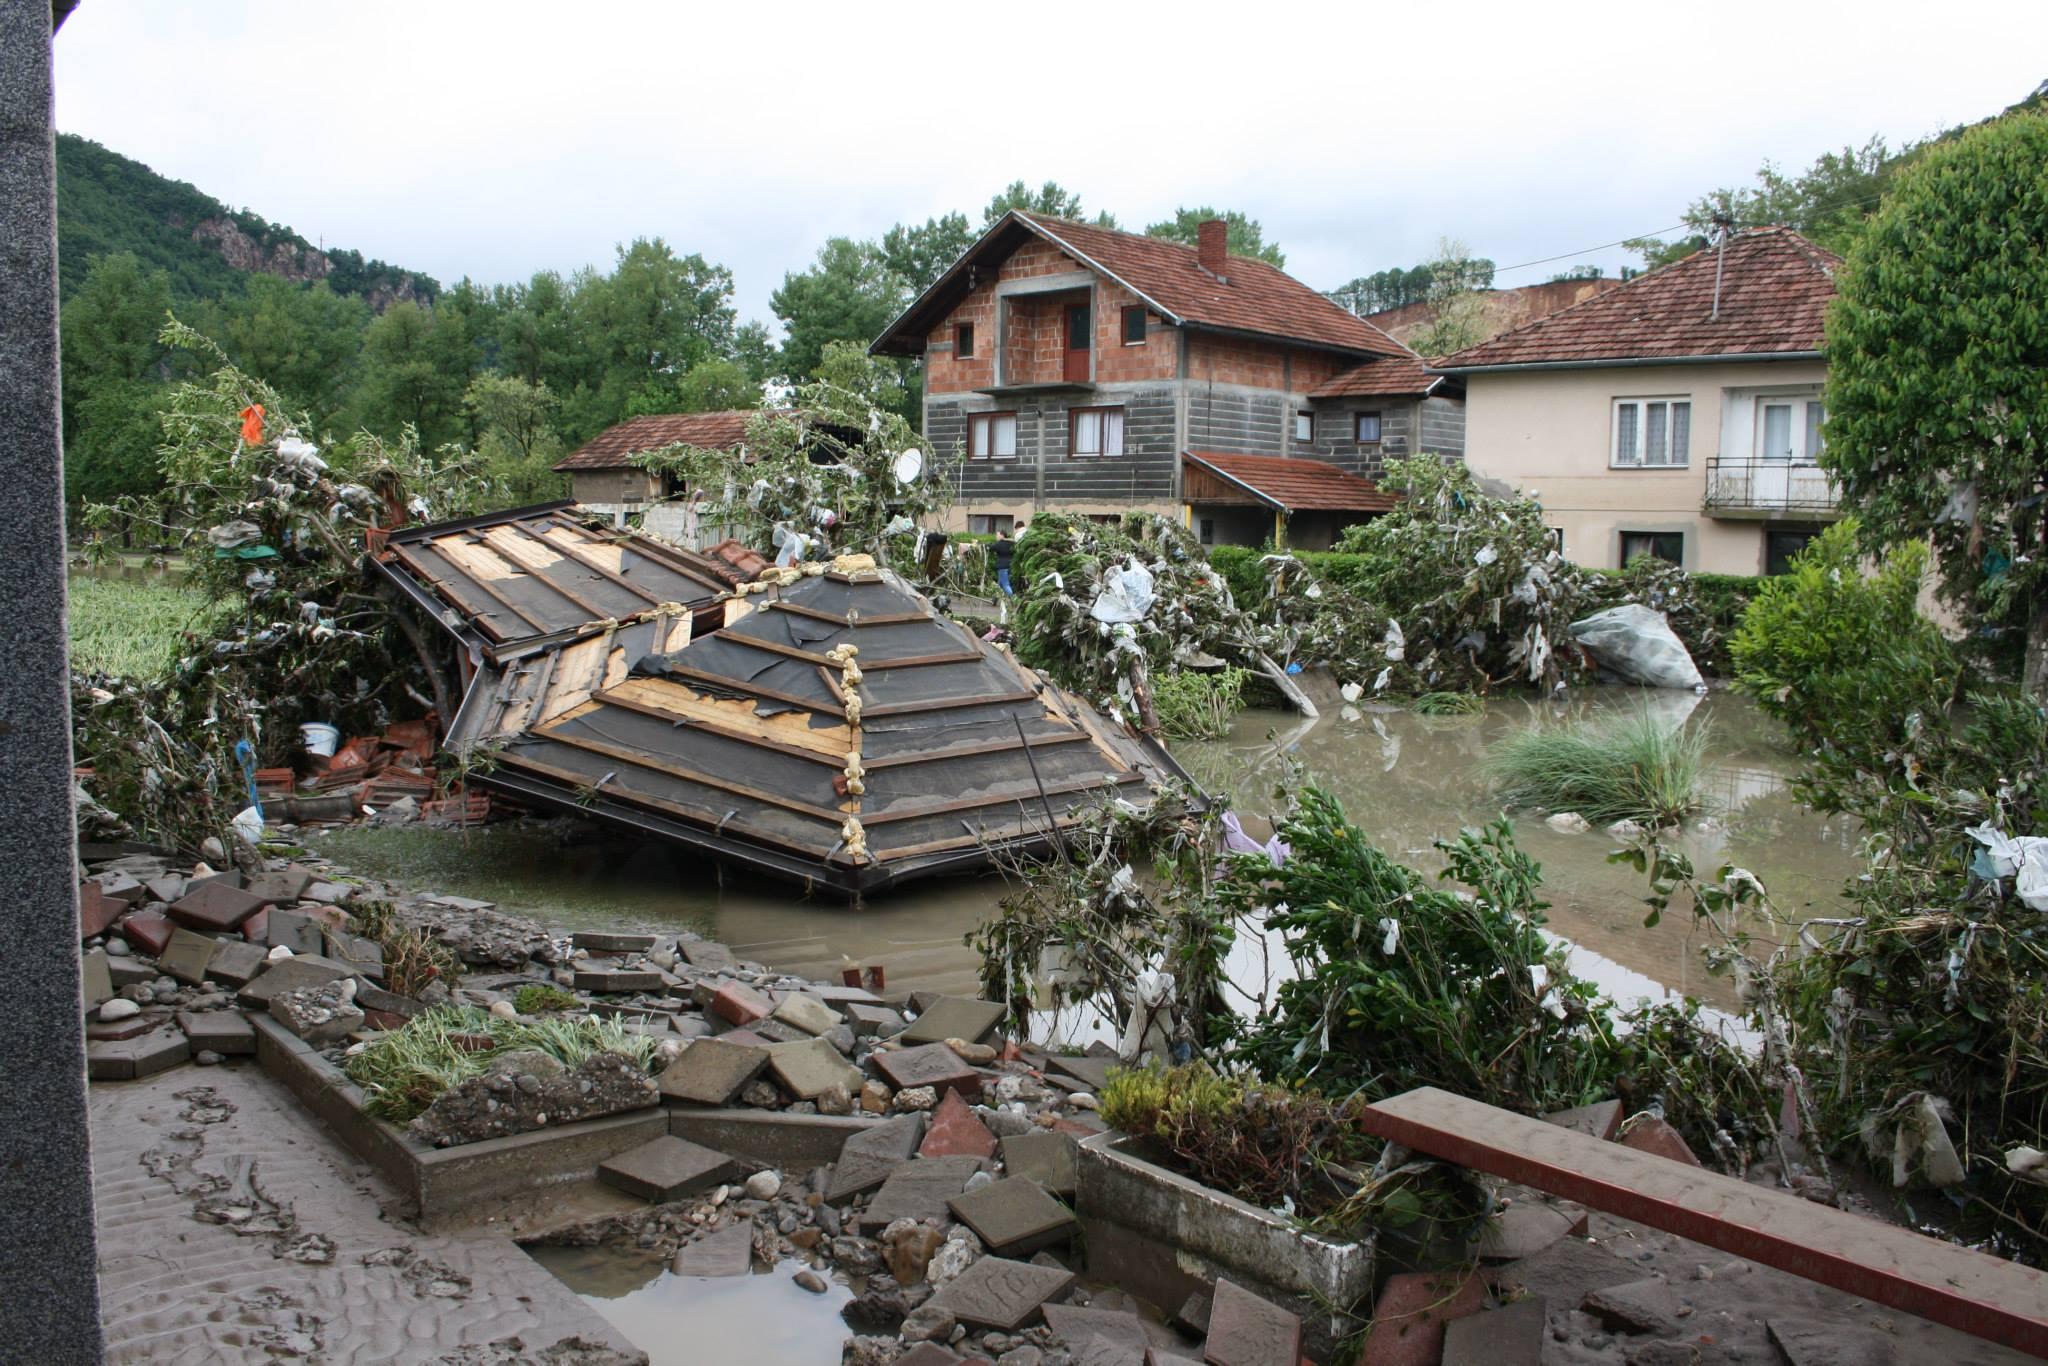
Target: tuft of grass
{"points": [[1636, 769], [1449, 704], [404, 1071], [534, 999], [132, 628]]}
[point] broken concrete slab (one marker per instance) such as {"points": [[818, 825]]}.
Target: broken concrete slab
{"points": [[602, 941], [288, 974], [215, 907], [366, 956], [919, 1190], [956, 1132], [145, 1055], [1598, 1120], [869, 1157], [186, 955], [955, 1017], [96, 981], [1510, 1336], [320, 1014], [809, 1069], [281, 886], [711, 1072], [932, 1064], [870, 1021], [1047, 1157], [226, 1032], [667, 1168], [707, 956], [235, 962], [618, 981], [1099, 1335], [1092, 1072], [1002, 1294], [295, 930], [806, 1013], [373, 997], [728, 1251], [1014, 1217], [1651, 1306]]}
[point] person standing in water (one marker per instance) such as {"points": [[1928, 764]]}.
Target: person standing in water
{"points": [[1005, 550]]}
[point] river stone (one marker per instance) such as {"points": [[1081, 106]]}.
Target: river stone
{"points": [[1045, 1156], [919, 1190], [214, 907], [932, 1064], [666, 1168], [807, 1070], [186, 956], [807, 1013], [1014, 1217], [955, 1017], [867, 1158], [729, 1251], [712, 1072], [1002, 1294], [477, 1109]]}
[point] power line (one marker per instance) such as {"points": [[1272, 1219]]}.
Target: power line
{"points": [[1582, 251]]}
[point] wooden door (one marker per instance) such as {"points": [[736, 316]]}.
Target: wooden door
{"points": [[1080, 328]]}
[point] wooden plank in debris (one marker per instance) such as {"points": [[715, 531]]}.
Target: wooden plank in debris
{"points": [[640, 758], [444, 582], [563, 544], [946, 703], [1984, 1296], [732, 715], [759, 735]]}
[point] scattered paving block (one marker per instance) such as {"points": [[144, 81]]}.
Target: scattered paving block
{"points": [[295, 930], [1245, 1330], [1193, 1315], [1649, 1306], [955, 1017], [319, 1015], [1511, 1336], [711, 1072], [739, 1004], [256, 929], [1014, 1217], [166, 888], [842, 998], [144, 1055], [149, 931], [235, 962], [867, 1158], [618, 981], [1648, 1134], [728, 1251], [366, 956], [215, 907], [1091, 1072], [750, 1038], [130, 972], [1050, 1158], [1408, 1321], [705, 955], [226, 1032], [96, 981], [956, 1132], [1526, 1228], [775, 1031], [125, 1029], [229, 877], [1599, 1120], [868, 1021], [327, 893], [809, 1069], [1104, 1335], [281, 885], [96, 910], [122, 887], [1002, 1294], [288, 974], [372, 997], [807, 1013], [599, 941], [667, 1168], [186, 956], [919, 1190], [931, 1064]]}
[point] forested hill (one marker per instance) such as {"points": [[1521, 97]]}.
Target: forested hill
{"points": [[107, 203]]}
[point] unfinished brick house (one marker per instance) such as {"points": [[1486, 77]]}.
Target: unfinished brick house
{"points": [[1076, 368]]}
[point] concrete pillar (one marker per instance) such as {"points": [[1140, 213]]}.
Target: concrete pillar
{"points": [[49, 1283]]}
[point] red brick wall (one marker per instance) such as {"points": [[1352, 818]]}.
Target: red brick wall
{"points": [[945, 372], [1229, 360], [1035, 347], [1157, 358], [1316, 367]]}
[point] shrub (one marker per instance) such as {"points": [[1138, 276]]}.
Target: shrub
{"points": [[1198, 706], [1638, 769]]}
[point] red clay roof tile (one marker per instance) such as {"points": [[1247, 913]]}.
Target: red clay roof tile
{"points": [[1388, 377], [1299, 484], [615, 446]]}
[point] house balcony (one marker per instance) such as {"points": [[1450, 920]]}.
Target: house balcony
{"points": [[1749, 489]]}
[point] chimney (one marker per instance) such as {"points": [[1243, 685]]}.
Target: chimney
{"points": [[1210, 249]]}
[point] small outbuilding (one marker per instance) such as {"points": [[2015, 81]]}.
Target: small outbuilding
{"points": [[1290, 501]]}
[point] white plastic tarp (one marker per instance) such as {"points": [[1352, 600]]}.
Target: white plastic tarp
{"points": [[1637, 642]]}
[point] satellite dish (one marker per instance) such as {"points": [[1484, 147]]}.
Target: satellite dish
{"points": [[908, 466]]}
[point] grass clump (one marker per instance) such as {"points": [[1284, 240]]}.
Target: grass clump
{"points": [[1198, 706], [132, 628], [403, 1072], [1637, 769], [535, 999], [1448, 704]]}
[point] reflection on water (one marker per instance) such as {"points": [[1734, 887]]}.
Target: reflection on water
{"points": [[683, 1320], [1405, 779]]}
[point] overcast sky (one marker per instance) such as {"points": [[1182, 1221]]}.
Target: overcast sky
{"points": [[496, 139]]}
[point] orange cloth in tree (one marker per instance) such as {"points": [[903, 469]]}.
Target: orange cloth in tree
{"points": [[252, 424]]}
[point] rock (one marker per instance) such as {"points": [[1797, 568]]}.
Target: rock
{"points": [[764, 1185], [320, 1015], [916, 1098], [1626, 830], [951, 1258], [874, 1098], [605, 1084], [1569, 823], [1083, 1100], [504, 1010], [811, 1281], [908, 1248], [835, 1100], [928, 1323], [118, 1009], [976, 1054]]}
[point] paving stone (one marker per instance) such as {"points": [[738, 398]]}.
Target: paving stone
{"points": [[869, 1021], [121, 886], [256, 929], [955, 1017], [707, 956], [372, 997], [366, 956], [867, 1158], [931, 1064], [149, 931], [843, 998], [1510, 1336], [234, 962], [919, 1190], [999, 1293], [775, 1031], [327, 893], [289, 974], [1245, 1330], [750, 1038], [1091, 1072], [166, 887], [1649, 1306], [1050, 1158], [227, 1032], [1014, 1217], [956, 1132], [295, 930], [739, 1004], [96, 910], [1527, 1227], [145, 1055], [618, 980], [1409, 1318], [186, 956], [226, 877], [1599, 1120], [97, 982], [1193, 1315], [809, 1069], [807, 1013], [1653, 1135], [125, 1029], [727, 1252], [215, 907], [130, 972], [667, 1168], [281, 885], [601, 941], [711, 1072], [1100, 1337]]}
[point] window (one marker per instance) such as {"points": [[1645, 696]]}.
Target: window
{"points": [[1366, 429], [1662, 545], [1816, 413], [1208, 531], [1653, 433], [1134, 326], [988, 524], [1556, 538], [963, 341], [1095, 431], [992, 436], [1304, 425], [1781, 543]]}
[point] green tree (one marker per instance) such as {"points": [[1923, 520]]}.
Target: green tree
{"points": [[919, 254], [517, 441], [753, 348], [656, 315], [715, 385], [848, 294], [1050, 198], [1382, 290], [1828, 202], [302, 338], [1937, 392], [1246, 237], [406, 380], [115, 373], [1457, 309]]}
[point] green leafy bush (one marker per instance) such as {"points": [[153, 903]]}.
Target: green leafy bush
{"points": [[1637, 769], [1193, 705]]}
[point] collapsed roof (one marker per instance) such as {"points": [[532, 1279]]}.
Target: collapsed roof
{"points": [[824, 724]]}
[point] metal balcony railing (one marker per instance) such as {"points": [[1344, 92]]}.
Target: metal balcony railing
{"points": [[1748, 485]]}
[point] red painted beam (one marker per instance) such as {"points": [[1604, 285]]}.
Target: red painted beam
{"points": [[1984, 1296]]}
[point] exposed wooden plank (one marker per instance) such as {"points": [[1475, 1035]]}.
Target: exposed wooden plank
{"points": [[674, 561], [668, 698], [477, 562], [867, 666], [1985, 1296], [636, 758], [438, 579], [975, 747], [828, 758], [949, 703], [525, 551], [754, 690], [562, 544]]}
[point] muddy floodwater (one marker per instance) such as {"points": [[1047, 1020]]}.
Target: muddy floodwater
{"points": [[1405, 779]]}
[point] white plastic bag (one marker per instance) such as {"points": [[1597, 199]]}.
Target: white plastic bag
{"points": [[1126, 595], [1637, 642]]}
